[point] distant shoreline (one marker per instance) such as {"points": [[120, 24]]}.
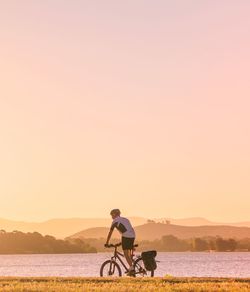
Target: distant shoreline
{"points": [[108, 252]]}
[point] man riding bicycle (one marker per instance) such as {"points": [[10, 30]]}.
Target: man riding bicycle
{"points": [[124, 226]]}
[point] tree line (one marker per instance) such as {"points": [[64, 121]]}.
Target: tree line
{"points": [[17, 242], [170, 243]]}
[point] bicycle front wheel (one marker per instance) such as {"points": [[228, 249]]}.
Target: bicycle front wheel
{"points": [[110, 269], [140, 270]]}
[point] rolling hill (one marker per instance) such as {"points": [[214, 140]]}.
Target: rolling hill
{"points": [[152, 231], [61, 228]]}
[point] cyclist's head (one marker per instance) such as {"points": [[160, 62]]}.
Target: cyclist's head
{"points": [[115, 212]]}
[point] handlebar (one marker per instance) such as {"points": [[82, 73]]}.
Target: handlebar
{"points": [[112, 245], [116, 245]]}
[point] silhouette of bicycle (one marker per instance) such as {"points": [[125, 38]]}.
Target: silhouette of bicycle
{"points": [[112, 267]]}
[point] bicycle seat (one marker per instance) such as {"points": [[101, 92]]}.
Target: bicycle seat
{"points": [[135, 245]]}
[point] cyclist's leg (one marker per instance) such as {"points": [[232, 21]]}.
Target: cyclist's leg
{"points": [[127, 254], [127, 246]]}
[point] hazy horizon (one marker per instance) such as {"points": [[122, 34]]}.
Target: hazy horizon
{"points": [[140, 105], [129, 216]]}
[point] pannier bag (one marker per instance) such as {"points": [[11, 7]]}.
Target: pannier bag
{"points": [[148, 258]]}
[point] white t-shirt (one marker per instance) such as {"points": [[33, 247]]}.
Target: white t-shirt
{"points": [[124, 227]]}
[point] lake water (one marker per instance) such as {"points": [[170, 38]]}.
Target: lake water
{"points": [[175, 264]]}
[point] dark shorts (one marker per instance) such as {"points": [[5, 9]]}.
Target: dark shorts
{"points": [[127, 243]]}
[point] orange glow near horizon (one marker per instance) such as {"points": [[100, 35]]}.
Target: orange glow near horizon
{"points": [[139, 105]]}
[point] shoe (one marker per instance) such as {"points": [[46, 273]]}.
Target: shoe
{"points": [[131, 273]]}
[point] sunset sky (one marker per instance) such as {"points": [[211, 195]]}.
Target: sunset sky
{"points": [[141, 105]]}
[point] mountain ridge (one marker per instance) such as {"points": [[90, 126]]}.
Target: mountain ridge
{"points": [[63, 227], [153, 231]]}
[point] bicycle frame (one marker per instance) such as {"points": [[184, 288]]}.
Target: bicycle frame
{"points": [[117, 260], [117, 256]]}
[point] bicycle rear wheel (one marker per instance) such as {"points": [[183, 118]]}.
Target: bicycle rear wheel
{"points": [[110, 269], [140, 270]]}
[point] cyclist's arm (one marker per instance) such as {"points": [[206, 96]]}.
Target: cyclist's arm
{"points": [[109, 236], [110, 232]]}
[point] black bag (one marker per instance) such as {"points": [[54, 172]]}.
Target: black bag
{"points": [[148, 258]]}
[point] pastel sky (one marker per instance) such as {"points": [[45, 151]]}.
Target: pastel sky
{"points": [[141, 105]]}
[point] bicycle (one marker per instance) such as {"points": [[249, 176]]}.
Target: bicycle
{"points": [[111, 268]]}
